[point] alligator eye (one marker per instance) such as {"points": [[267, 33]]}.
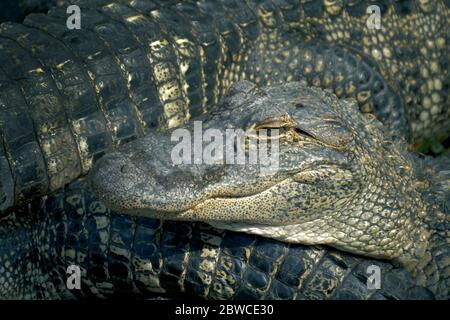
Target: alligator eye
{"points": [[304, 133]]}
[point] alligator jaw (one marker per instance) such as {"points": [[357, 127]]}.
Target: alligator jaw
{"points": [[337, 183]]}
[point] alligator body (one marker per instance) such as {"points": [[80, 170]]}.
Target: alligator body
{"points": [[69, 96], [141, 257], [338, 181], [124, 254]]}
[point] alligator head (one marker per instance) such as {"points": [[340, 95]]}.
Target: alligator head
{"points": [[337, 180]]}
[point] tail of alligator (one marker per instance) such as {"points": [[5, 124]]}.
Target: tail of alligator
{"points": [[68, 96], [119, 254]]}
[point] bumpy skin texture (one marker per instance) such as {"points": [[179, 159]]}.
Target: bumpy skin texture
{"points": [[68, 96], [46, 144], [17, 10], [122, 254]]}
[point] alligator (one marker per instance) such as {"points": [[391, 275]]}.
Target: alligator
{"points": [[137, 255], [69, 96], [17, 10]]}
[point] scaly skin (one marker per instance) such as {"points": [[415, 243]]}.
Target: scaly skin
{"points": [[339, 180], [69, 96], [120, 254], [46, 145]]}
